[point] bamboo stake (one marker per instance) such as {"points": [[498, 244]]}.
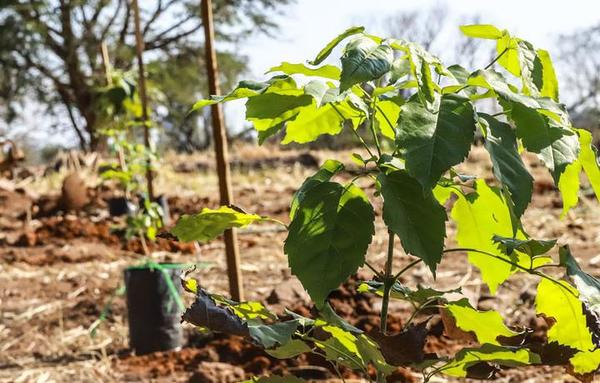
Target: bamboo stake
{"points": [[143, 97], [220, 141], [107, 73]]}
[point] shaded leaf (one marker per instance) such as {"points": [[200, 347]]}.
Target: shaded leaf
{"points": [[205, 313], [507, 164], [364, 60], [434, 141], [290, 349], [271, 335], [414, 215], [557, 147], [419, 295], [531, 247], [329, 236], [405, 348], [325, 173]]}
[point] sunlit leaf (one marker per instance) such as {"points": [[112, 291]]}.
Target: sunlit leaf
{"points": [[481, 31], [326, 51], [479, 216], [327, 71], [549, 81], [570, 327], [486, 325], [210, 223], [503, 356]]}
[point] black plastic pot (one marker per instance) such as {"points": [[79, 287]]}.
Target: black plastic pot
{"points": [[119, 206], [152, 307]]}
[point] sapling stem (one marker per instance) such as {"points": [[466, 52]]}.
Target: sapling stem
{"points": [[496, 59], [388, 282], [372, 127]]}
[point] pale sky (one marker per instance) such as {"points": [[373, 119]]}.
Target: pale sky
{"points": [[305, 27], [309, 24]]}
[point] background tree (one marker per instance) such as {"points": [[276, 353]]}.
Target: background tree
{"points": [[50, 50]]}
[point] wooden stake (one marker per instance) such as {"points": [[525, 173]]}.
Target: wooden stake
{"points": [[143, 97], [220, 141], [106, 63], [107, 73]]}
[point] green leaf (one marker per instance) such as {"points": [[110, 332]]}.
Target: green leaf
{"points": [[587, 285], [490, 79], [486, 325], [508, 47], [507, 164], [479, 216], [420, 68], [503, 356], [556, 146], [315, 121], [531, 247], [481, 31], [244, 89], [327, 71], [329, 236], [569, 182], [434, 141], [585, 362], [570, 328], [414, 215], [271, 335], [370, 353], [290, 349], [364, 60], [209, 223], [325, 52], [589, 160], [341, 347], [419, 295], [328, 315], [386, 116], [325, 173], [531, 68], [549, 81]]}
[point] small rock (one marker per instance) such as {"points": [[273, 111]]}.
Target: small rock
{"points": [[74, 193], [215, 372]]}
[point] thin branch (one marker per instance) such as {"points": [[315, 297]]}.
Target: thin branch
{"points": [[157, 44]]}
